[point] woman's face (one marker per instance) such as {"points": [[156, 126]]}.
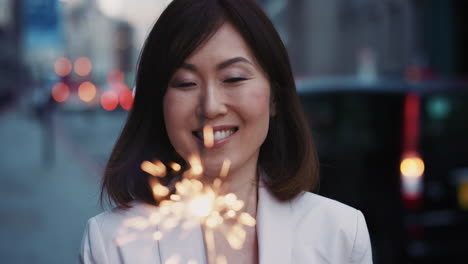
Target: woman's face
{"points": [[220, 85]]}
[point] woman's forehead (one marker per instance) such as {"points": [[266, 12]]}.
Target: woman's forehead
{"points": [[226, 43]]}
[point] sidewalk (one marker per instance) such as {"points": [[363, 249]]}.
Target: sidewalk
{"points": [[43, 211]]}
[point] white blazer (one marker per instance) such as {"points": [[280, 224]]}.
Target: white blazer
{"points": [[308, 229]]}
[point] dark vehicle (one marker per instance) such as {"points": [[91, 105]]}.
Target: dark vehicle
{"points": [[398, 151]]}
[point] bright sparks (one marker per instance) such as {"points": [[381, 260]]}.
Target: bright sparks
{"points": [[208, 137], [190, 202], [221, 260], [195, 163], [225, 168], [156, 168], [157, 235], [175, 166], [160, 191], [201, 206]]}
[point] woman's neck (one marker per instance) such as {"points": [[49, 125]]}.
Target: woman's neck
{"points": [[243, 183]]}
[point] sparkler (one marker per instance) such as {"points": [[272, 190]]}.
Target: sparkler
{"points": [[192, 203]]}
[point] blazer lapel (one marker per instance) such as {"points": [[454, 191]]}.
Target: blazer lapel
{"points": [[135, 243], [274, 229]]}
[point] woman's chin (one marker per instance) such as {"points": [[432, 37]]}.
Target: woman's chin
{"points": [[210, 173]]}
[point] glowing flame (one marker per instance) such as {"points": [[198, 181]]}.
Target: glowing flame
{"points": [[208, 137]]}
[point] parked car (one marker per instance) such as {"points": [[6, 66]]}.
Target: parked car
{"points": [[398, 151]]}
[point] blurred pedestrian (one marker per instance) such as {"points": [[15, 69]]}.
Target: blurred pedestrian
{"points": [[43, 105]]}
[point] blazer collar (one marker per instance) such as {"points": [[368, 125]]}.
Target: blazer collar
{"points": [[274, 229], [176, 245]]}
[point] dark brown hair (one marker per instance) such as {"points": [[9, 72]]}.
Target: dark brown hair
{"points": [[287, 156]]}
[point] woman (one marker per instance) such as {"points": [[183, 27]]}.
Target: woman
{"points": [[221, 64]]}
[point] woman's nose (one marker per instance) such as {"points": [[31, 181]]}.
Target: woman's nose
{"points": [[212, 103]]}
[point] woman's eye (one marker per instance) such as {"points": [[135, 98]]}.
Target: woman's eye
{"points": [[234, 80], [185, 84]]}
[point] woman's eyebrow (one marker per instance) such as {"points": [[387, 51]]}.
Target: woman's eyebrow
{"points": [[220, 66], [229, 62]]}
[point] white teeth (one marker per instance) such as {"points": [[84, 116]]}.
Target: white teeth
{"points": [[217, 135], [222, 134]]}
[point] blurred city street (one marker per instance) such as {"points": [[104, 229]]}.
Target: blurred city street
{"points": [[44, 207], [383, 84]]}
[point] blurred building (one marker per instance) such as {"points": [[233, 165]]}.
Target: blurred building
{"points": [[335, 37], [368, 38], [10, 56], [88, 33]]}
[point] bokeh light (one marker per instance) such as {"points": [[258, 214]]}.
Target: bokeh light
{"points": [[412, 167], [414, 74], [115, 77], [87, 91], [463, 195], [126, 99], [82, 66], [63, 67], [60, 92], [109, 100], [119, 87]]}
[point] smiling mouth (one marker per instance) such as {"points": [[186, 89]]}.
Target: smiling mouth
{"points": [[218, 134]]}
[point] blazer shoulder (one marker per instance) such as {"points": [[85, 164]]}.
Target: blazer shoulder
{"points": [[111, 221], [308, 202], [119, 235], [337, 231]]}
